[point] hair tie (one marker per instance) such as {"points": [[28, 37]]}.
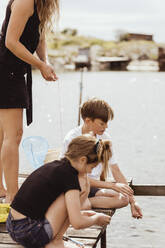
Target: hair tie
{"points": [[97, 146]]}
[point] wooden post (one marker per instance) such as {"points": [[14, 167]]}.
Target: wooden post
{"points": [[80, 97], [103, 240], [149, 189]]}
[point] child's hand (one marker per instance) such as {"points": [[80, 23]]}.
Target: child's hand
{"points": [[123, 188], [136, 210], [102, 219], [88, 213]]}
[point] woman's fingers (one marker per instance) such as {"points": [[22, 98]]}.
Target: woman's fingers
{"points": [[48, 73]]}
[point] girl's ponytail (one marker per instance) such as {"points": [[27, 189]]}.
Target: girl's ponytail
{"points": [[103, 149], [95, 151]]}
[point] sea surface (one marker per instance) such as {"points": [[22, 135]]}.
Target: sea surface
{"points": [[137, 131]]}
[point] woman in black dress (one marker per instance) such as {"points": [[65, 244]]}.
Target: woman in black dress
{"points": [[23, 33]]}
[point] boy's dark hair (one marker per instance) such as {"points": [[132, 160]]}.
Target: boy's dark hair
{"points": [[95, 108]]}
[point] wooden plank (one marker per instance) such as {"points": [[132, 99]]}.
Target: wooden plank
{"points": [[87, 233], [107, 211], [149, 189], [6, 239], [10, 246], [88, 243], [83, 233], [3, 228]]}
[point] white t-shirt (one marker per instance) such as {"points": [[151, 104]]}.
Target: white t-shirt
{"points": [[96, 172]]}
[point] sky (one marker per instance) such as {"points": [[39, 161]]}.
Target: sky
{"points": [[102, 18]]}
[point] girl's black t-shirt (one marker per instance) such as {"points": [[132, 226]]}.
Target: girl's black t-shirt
{"points": [[43, 186]]}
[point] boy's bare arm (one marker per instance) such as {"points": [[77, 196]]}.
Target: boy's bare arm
{"points": [[117, 174], [119, 187], [119, 177]]}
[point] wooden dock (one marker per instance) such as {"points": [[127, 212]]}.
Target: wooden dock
{"points": [[88, 237]]}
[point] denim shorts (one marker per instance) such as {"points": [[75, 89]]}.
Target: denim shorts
{"points": [[28, 232]]}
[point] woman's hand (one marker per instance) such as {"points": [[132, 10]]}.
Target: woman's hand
{"points": [[136, 210], [47, 72]]}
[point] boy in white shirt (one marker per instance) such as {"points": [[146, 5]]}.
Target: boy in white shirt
{"points": [[103, 194]]}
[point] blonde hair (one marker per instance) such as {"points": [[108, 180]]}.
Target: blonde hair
{"points": [[95, 108], [95, 151], [46, 10]]}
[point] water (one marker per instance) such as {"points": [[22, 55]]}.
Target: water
{"points": [[138, 134]]}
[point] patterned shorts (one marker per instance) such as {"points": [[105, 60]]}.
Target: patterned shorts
{"points": [[29, 233]]}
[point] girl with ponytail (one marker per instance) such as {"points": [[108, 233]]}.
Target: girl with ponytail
{"points": [[51, 197], [100, 153]]}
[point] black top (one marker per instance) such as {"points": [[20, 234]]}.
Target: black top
{"points": [[30, 39], [43, 186]]}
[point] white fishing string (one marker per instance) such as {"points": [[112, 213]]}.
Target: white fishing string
{"points": [[60, 110]]}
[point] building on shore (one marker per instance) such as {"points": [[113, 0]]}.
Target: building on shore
{"points": [[113, 63], [136, 36], [83, 59]]}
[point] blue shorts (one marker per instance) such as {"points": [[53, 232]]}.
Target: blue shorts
{"points": [[29, 233]]}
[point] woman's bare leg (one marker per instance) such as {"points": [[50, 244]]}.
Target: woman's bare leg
{"points": [[106, 198], [2, 188], [11, 123]]}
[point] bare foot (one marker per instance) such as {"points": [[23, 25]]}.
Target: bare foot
{"points": [[2, 192]]}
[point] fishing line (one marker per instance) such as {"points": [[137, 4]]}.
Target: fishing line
{"points": [[60, 110]]}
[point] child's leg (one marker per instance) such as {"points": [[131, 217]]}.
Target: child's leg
{"points": [[58, 242], [58, 219], [106, 198]]}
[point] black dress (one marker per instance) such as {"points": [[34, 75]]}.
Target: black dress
{"points": [[15, 74]]}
